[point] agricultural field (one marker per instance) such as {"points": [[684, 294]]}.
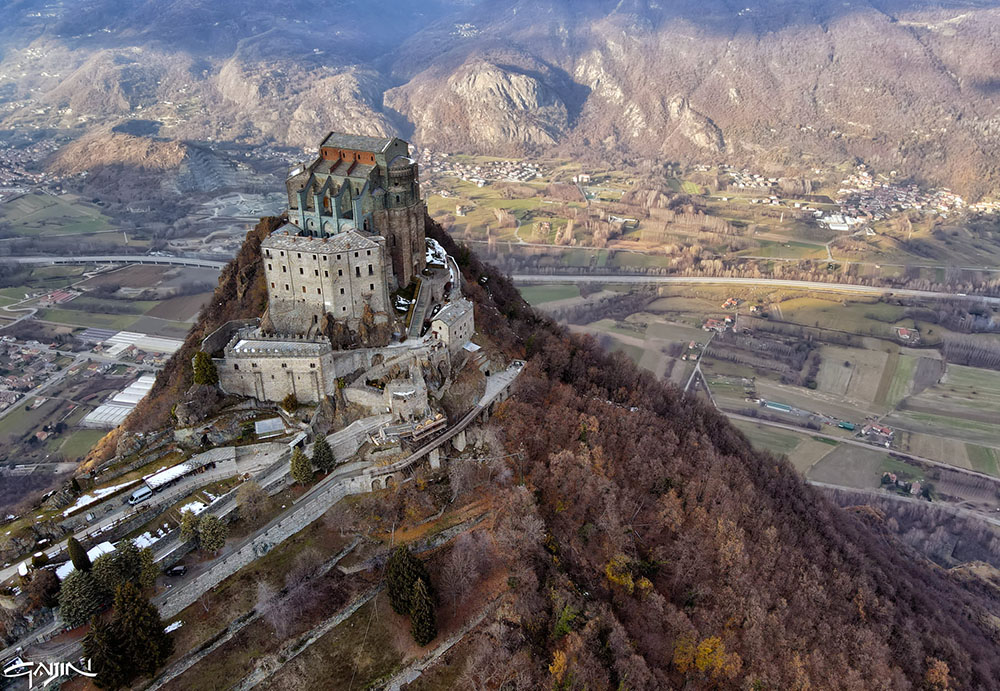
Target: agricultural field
{"points": [[851, 466], [44, 214], [540, 294], [803, 451]]}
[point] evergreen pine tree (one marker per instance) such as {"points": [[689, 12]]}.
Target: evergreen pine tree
{"points": [[212, 533], [204, 369], [402, 570], [79, 598], [323, 455], [124, 565], [301, 470], [144, 645], [78, 555], [189, 525], [423, 622], [102, 647], [147, 569]]}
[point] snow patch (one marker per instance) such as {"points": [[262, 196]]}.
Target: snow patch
{"points": [[174, 626], [96, 495], [195, 507]]}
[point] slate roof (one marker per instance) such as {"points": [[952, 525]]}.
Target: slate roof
{"points": [[357, 142], [287, 238]]}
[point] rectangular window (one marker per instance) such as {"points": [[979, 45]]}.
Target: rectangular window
{"points": [[371, 271], [303, 289], [340, 272], [355, 255], [236, 367], [371, 287], [300, 255], [338, 257], [268, 253], [319, 292], [286, 287], [301, 271], [282, 253], [268, 267], [284, 269], [326, 274], [357, 272], [369, 253], [324, 257], [341, 291], [314, 256], [312, 365], [284, 366], [316, 271], [272, 284]]}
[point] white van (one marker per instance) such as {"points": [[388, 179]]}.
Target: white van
{"points": [[141, 494]]}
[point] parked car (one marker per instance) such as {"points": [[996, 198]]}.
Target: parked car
{"points": [[177, 571]]}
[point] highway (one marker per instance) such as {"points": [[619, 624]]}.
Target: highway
{"points": [[529, 279], [119, 259]]}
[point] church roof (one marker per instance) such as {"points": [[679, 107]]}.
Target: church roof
{"points": [[357, 142], [287, 238]]}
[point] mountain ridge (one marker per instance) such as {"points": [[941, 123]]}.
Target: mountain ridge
{"points": [[902, 86]]}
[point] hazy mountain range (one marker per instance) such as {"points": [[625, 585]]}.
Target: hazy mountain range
{"points": [[902, 85]]}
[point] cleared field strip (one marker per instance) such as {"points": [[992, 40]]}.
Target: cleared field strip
{"points": [[882, 394], [902, 379]]}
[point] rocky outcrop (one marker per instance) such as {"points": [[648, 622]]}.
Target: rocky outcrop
{"points": [[111, 148], [483, 106]]}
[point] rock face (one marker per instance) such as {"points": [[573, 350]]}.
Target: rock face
{"points": [[483, 106], [110, 148]]}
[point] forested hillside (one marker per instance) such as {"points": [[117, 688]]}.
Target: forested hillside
{"points": [[650, 547]]}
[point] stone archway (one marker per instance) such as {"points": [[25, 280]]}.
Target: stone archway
{"points": [[376, 485], [390, 482]]}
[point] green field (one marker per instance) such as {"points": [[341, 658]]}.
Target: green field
{"points": [[88, 319], [802, 450], [901, 380], [983, 459], [537, 295], [43, 214]]}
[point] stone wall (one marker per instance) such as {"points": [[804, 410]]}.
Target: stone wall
{"points": [[305, 285]]}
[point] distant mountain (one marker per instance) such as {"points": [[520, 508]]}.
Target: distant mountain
{"points": [[902, 85]]}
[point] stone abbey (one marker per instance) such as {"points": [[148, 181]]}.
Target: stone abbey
{"points": [[337, 270]]}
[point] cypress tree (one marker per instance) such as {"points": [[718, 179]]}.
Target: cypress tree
{"points": [[402, 570], [78, 555], [102, 647], [189, 525], [323, 457], [301, 469], [423, 622]]}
